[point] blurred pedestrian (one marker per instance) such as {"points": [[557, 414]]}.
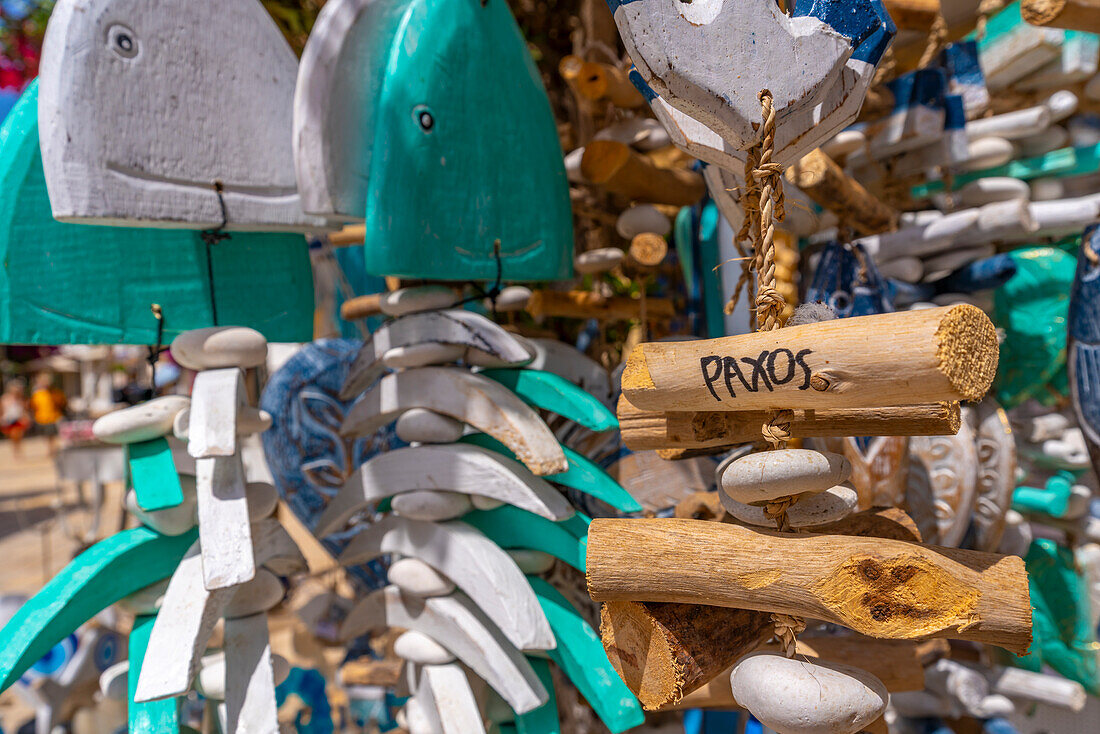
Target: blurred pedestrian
{"points": [[14, 420], [48, 408]]}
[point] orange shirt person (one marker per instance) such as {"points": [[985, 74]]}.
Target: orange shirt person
{"points": [[47, 407]]}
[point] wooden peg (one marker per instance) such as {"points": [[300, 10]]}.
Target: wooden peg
{"points": [[352, 234], [361, 307], [881, 588], [914, 357], [648, 249], [1078, 15], [644, 430], [590, 305], [820, 178], [620, 170], [598, 82]]}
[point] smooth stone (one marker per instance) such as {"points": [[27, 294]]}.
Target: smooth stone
{"points": [[642, 218], [1047, 427], [532, 561], [1017, 536], [909, 269], [262, 499], [1070, 450], [143, 422], [416, 577], [113, 683], [419, 298], [844, 143], [173, 520], [642, 133], [987, 153], [422, 355], [418, 648], [833, 504], [431, 505], [216, 347], [145, 601], [249, 420], [481, 502], [264, 591], [992, 189], [210, 682], [512, 299], [598, 261], [767, 475], [426, 426], [795, 696]]}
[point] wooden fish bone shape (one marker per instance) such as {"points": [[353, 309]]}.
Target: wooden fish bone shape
{"points": [[144, 107], [696, 57]]}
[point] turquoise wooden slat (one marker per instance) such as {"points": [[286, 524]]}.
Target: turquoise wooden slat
{"points": [[153, 475], [150, 717], [544, 719], [554, 393], [581, 656], [1060, 163], [583, 475], [513, 528], [98, 577]]}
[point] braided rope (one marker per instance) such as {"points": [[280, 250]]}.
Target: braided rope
{"points": [[769, 303], [786, 629]]}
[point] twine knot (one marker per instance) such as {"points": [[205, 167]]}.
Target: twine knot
{"points": [[787, 628], [776, 510]]}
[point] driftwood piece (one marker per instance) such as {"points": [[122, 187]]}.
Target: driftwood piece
{"points": [[448, 701], [617, 168], [361, 307], [591, 305], [911, 357], [881, 588], [249, 677], [599, 82], [1078, 15], [643, 430], [820, 178]]}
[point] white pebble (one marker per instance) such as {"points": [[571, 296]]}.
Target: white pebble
{"points": [[642, 218], [262, 499], [419, 298], [145, 601], [598, 261], [422, 355], [431, 506], [767, 475], [418, 648], [264, 591], [143, 422], [220, 346], [249, 420], [909, 269], [426, 426], [416, 577], [831, 505], [532, 561], [513, 298], [481, 502], [173, 520], [795, 696]]}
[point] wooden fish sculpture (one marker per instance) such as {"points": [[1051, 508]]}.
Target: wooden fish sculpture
{"points": [[173, 114], [63, 283], [826, 50], [1083, 337], [410, 114]]}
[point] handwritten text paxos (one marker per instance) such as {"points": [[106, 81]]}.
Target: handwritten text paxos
{"points": [[774, 367]]}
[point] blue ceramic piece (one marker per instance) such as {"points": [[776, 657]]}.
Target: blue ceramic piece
{"points": [[847, 280], [308, 458], [987, 273], [1083, 343]]}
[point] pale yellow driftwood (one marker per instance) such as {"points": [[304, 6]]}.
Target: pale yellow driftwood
{"points": [[907, 358], [361, 307], [831, 188], [620, 170], [644, 430], [881, 588], [599, 82], [1078, 15], [352, 234]]}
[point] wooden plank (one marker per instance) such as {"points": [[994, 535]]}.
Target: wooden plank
{"points": [[548, 391], [825, 182], [448, 700], [224, 522], [882, 588], [512, 528], [153, 475], [618, 168], [943, 354], [251, 706], [216, 400]]}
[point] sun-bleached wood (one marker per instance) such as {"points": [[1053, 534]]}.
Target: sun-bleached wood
{"points": [[1078, 15], [456, 623], [565, 360], [466, 329], [109, 160], [913, 357], [619, 169], [464, 396], [453, 467], [487, 575], [644, 430], [361, 307], [599, 82], [216, 399], [592, 305], [897, 663], [821, 179], [448, 701], [223, 522], [881, 588], [251, 706]]}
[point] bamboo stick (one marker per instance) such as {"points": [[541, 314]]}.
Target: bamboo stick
{"points": [[352, 234], [590, 305], [646, 430], [361, 307], [820, 178], [620, 170], [908, 358], [881, 588], [1077, 15], [598, 82]]}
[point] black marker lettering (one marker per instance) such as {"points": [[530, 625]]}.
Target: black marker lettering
{"points": [[758, 371], [717, 362], [802, 363], [731, 370], [790, 366]]}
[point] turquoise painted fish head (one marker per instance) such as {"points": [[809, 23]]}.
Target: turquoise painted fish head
{"points": [[466, 161]]}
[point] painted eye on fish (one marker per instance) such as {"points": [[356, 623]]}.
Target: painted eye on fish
{"points": [[424, 118], [122, 41]]}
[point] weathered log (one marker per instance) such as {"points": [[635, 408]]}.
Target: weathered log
{"points": [[820, 178], [361, 307], [352, 234], [881, 588], [600, 82], [907, 358], [644, 430], [1078, 15], [620, 170], [590, 305]]}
